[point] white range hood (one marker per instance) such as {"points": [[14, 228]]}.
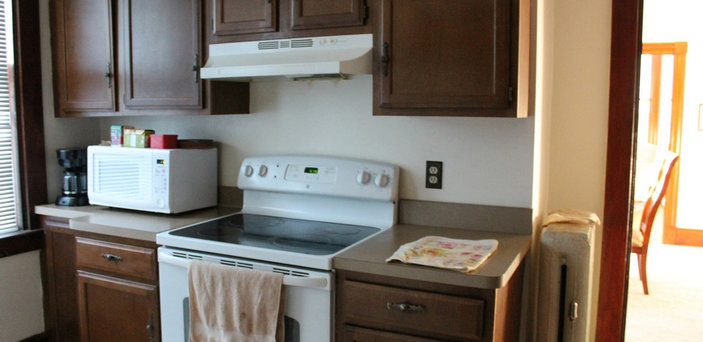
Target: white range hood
{"points": [[299, 57]]}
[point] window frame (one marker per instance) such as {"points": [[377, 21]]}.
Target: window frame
{"points": [[27, 92]]}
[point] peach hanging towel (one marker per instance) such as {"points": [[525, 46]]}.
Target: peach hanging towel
{"points": [[235, 304]]}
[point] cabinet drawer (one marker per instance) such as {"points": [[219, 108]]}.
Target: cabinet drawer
{"points": [[116, 258], [412, 312], [356, 334]]}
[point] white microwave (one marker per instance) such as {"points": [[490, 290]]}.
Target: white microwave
{"points": [[156, 180]]}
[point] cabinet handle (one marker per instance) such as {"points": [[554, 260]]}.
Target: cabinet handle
{"points": [[108, 76], [403, 307], [385, 60], [111, 257], [196, 68]]}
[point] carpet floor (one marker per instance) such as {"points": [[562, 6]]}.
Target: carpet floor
{"points": [[673, 310]]}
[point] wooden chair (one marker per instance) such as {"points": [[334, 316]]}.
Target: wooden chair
{"points": [[640, 242]]}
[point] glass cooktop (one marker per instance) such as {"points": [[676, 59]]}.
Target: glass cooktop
{"points": [[286, 234]]}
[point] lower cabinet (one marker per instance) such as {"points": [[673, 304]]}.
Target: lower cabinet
{"points": [[113, 309], [99, 287], [371, 308]]}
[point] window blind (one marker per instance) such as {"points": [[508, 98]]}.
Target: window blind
{"points": [[8, 170]]}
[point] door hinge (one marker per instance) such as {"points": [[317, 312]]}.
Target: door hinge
{"points": [[510, 94]]}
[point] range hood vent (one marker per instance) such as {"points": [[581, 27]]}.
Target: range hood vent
{"points": [[296, 58]]}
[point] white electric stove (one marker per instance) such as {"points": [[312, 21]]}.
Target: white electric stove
{"points": [[298, 212]]}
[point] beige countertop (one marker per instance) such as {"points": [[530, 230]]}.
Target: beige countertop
{"points": [[369, 257], [128, 223]]}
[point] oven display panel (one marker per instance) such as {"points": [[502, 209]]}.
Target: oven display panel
{"points": [[311, 173]]}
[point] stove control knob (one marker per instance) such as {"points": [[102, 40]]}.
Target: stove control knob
{"points": [[363, 177], [249, 170], [381, 180], [263, 170]]}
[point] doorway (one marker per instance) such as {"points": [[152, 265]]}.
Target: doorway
{"points": [[659, 129], [674, 291]]}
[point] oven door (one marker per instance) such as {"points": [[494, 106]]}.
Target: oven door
{"points": [[308, 312]]}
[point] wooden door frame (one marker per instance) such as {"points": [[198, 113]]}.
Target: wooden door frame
{"points": [[625, 50]]}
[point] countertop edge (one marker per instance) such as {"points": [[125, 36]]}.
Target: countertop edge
{"points": [[129, 224], [49, 210]]}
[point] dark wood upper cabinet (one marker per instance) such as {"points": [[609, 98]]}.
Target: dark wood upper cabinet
{"points": [[84, 64], [450, 58], [315, 14], [445, 53], [247, 20], [233, 17], [159, 48], [161, 54]]}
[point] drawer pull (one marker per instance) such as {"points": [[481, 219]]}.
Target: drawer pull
{"points": [[111, 257], [403, 307]]}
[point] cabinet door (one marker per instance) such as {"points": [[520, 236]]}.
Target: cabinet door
{"points": [[62, 308], [314, 14], [112, 309], [161, 54], [233, 17], [82, 37], [444, 54]]}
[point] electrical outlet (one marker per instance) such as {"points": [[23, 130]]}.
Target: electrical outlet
{"points": [[433, 175]]}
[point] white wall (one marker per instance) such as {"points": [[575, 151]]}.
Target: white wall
{"points": [[580, 104], [579, 111], [21, 311], [486, 160], [544, 62], [679, 20]]}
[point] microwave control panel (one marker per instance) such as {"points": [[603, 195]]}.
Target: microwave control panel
{"points": [[160, 180]]}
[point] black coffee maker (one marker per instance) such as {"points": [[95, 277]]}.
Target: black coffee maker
{"points": [[75, 182]]}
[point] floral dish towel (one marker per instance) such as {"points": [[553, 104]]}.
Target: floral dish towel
{"points": [[437, 251]]}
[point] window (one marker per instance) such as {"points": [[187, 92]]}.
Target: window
{"points": [[9, 204]]}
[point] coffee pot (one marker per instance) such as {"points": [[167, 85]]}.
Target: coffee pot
{"points": [[75, 182]]}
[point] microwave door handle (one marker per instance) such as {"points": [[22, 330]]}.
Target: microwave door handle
{"points": [[318, 282]]}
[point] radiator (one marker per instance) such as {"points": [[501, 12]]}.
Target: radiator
{"points": [[565, 278]]}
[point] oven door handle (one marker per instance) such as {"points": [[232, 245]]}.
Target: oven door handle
{"points": [[318, 282]]}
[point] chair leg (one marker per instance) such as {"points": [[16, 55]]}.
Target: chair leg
{"points": [[642, 263]]}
